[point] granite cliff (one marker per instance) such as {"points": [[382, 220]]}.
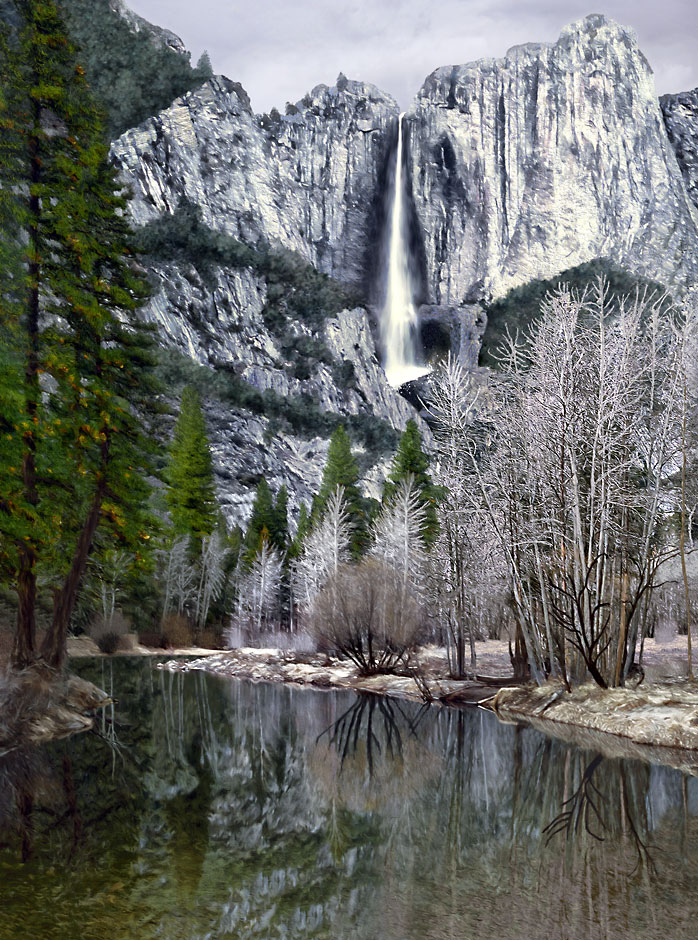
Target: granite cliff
{"points": [[520, 168], [548, 158]]}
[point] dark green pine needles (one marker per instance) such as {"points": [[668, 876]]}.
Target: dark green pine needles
{"points": [[75, 390], [190, 491]]}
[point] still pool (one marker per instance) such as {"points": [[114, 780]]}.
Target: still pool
{"points": [[207, 807]]}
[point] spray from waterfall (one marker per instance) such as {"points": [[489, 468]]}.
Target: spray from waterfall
{"points": [[399, 315]]}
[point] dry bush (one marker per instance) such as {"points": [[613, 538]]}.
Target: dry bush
{"points": [[108, 642], [176, 631], [117, 624], [210, 640], [369, 614]]}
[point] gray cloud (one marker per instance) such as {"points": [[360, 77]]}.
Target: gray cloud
{"points": [[279, 50]]}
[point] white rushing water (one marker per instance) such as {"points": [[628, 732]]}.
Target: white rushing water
{"points": [[399, 315]]}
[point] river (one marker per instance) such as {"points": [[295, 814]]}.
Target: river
{"points": [[208, 808]]}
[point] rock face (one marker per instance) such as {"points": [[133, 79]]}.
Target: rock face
{"points": [[219, 324], [520, 168], [305, 180], [160, 36], [528, 165], [681, 119]]}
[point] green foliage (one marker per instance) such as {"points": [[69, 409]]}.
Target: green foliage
{"points": [[520, 308], [341, 469], [132, 74], [76, 364], [269, 520], [410, 459], [302, 530], [279, 527], [190, 493], [261, 521]]}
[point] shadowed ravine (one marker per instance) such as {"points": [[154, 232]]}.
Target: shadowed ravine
{"points": [[218, 808]]}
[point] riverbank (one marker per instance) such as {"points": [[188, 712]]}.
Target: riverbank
{"points": [[662, 717], [657, 723], [322, 672]]}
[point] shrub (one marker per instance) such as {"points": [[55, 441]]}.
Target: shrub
{"points": [[367, 614], [210, 640], [176, 631], [108, 642]]}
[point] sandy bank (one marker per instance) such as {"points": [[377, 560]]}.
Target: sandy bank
{"points": [[656, 723]]}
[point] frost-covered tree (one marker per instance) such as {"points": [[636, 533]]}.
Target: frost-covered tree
{"points": [[457, 561], [178, 576], [212, 576], [399, 533], [259, 588], [324, 549]]}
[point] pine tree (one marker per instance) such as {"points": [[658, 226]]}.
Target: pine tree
{"points": [[190, 492], [410, 461], [278, 530], [341, 470], [302, 530], [261, 521], [73, 449]]}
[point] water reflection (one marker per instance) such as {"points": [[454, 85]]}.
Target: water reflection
{"points": [[209, 808]]}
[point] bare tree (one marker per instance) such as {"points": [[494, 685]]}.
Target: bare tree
{"points": [[326, 547], [211, 575], [178, 576], [462, 559], [572, 478]]}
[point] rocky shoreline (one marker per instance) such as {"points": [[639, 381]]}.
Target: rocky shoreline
{"points": [[657, 723], [322, 672]]}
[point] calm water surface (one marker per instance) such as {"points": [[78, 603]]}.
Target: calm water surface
{"points": [[214, 808]]}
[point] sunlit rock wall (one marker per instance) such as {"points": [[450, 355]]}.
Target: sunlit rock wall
{"points": [[552, 156], [303, 180]]}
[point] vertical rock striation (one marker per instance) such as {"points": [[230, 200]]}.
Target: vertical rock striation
{"points": [[552, 156], [304, 180], [681, 120]]}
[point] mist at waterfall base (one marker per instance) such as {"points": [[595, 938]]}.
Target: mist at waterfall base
{"points": [[398, 318]]}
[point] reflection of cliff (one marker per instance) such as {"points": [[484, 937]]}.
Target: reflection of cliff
{"points": [[220, 808]]}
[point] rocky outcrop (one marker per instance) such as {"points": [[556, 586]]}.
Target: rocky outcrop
{"points": [[158, 35], [550, 157], [219, 324], [304, 180], [681, 120]]}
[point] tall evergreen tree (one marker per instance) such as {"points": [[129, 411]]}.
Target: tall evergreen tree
{"points": [[190, 491], [411, 461], [262, 521], [73, 449], [279, 528], [342, 470]]}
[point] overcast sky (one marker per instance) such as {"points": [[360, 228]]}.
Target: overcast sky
{"points": [[279, 49]]}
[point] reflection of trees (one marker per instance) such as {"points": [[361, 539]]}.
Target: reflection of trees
{"points": [[259, 811], [589, 804]]}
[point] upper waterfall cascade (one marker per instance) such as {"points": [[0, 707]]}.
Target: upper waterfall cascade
{"points": [[398, 321]]}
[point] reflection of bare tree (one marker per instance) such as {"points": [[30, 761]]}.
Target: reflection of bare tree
{"points": [[585, 806], [582, 805], [363, 722]]}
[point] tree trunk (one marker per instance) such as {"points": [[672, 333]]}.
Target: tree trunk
{"points": [[23, 651], [53, 647]]}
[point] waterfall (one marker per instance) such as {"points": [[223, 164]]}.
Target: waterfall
{"points": [[398, 319]]}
